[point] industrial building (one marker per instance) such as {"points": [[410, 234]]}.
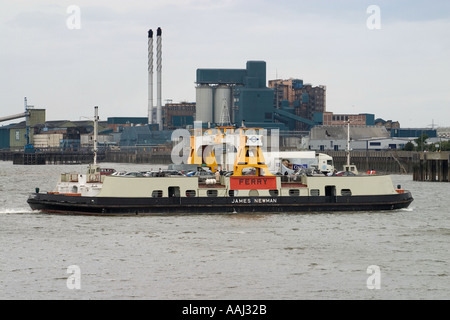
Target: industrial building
{"points": [[413, 132], [331, 119], [178, 115], [334, 138], [142, 136], [296, 102], [225, 96], [364, 137], [17, 135]]}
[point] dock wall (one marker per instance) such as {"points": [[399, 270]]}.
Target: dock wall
{"points": [[392, 162]]}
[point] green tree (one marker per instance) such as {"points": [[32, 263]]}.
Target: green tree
{"points": [[445, 145], [422, 142], [409, 146]]}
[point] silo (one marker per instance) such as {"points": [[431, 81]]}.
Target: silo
{"points": [[222, 98], [204, 103]]}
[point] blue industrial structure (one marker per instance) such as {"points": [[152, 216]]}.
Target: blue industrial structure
{"points": [[4, 136], [143, 135], [236, 94], [413, 133]]}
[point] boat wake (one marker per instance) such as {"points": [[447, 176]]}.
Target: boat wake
{"points": [[16, 211], [407, 209]]}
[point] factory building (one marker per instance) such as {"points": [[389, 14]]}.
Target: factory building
{"points": [[178, 115], [331, 119], [413, 132], [231, 96], [297, 102], [14, 136]]}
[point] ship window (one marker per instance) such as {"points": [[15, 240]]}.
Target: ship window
{"points": [[273, 193], [253, 193], [346, 192], [190, 193], [294, 192], [157, 193], [211, 193], [232, 193], [315, 192]]}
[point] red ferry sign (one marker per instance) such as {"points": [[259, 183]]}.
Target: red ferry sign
{"points": [[253, 183]]}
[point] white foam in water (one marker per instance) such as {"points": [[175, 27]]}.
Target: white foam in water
{"points": [[6, 211]]}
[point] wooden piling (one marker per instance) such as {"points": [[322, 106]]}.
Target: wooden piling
{"points": [[432, 166]]}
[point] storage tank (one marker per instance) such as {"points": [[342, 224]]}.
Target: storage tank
{"points": [[204, 104], [222, 99]]}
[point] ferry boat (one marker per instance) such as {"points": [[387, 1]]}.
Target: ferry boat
{"points": [[250, 188], [258, 191]]}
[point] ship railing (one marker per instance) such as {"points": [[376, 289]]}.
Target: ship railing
{"points": [[291, 179], [94, 177]]}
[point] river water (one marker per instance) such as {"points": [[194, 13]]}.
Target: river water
{"points": [[401, 254]]}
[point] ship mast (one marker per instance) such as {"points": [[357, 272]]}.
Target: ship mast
{"points": [[95, 134], [348, 142]]}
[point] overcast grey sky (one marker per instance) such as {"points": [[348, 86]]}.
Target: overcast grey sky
{"points": [[398, 72]]}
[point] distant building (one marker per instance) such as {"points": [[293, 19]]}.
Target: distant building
{"points": [[331, 119], [334, 138], [302, 100], [389, 124], [56, 134], [17, 132], [178, 115], [144, 136], [118, 123], [413, 132], [443, 133], [103, 140], [235, 94]]}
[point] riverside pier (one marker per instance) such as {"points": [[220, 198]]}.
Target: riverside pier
{"points": [[433, 167]]}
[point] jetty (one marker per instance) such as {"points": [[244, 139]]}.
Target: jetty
{"points": [[433, 167]]}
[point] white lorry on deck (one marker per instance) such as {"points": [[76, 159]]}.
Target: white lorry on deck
{"points": [[292, 161]]}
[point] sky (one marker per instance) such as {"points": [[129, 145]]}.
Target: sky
{"points": [[386, 57]]}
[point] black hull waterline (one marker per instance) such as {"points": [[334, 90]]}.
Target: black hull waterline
{"points": [[67, 204]]}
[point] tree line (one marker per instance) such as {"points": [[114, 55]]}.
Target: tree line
{"points": [[421, 144]]}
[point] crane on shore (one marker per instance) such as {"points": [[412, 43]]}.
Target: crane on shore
{"points": [[26, 114]]}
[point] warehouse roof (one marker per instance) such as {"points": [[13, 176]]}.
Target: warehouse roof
{"points": [[340, 132]]}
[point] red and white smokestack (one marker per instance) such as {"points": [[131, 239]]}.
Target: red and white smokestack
{"points": [[158, 78], [150, 76]]}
